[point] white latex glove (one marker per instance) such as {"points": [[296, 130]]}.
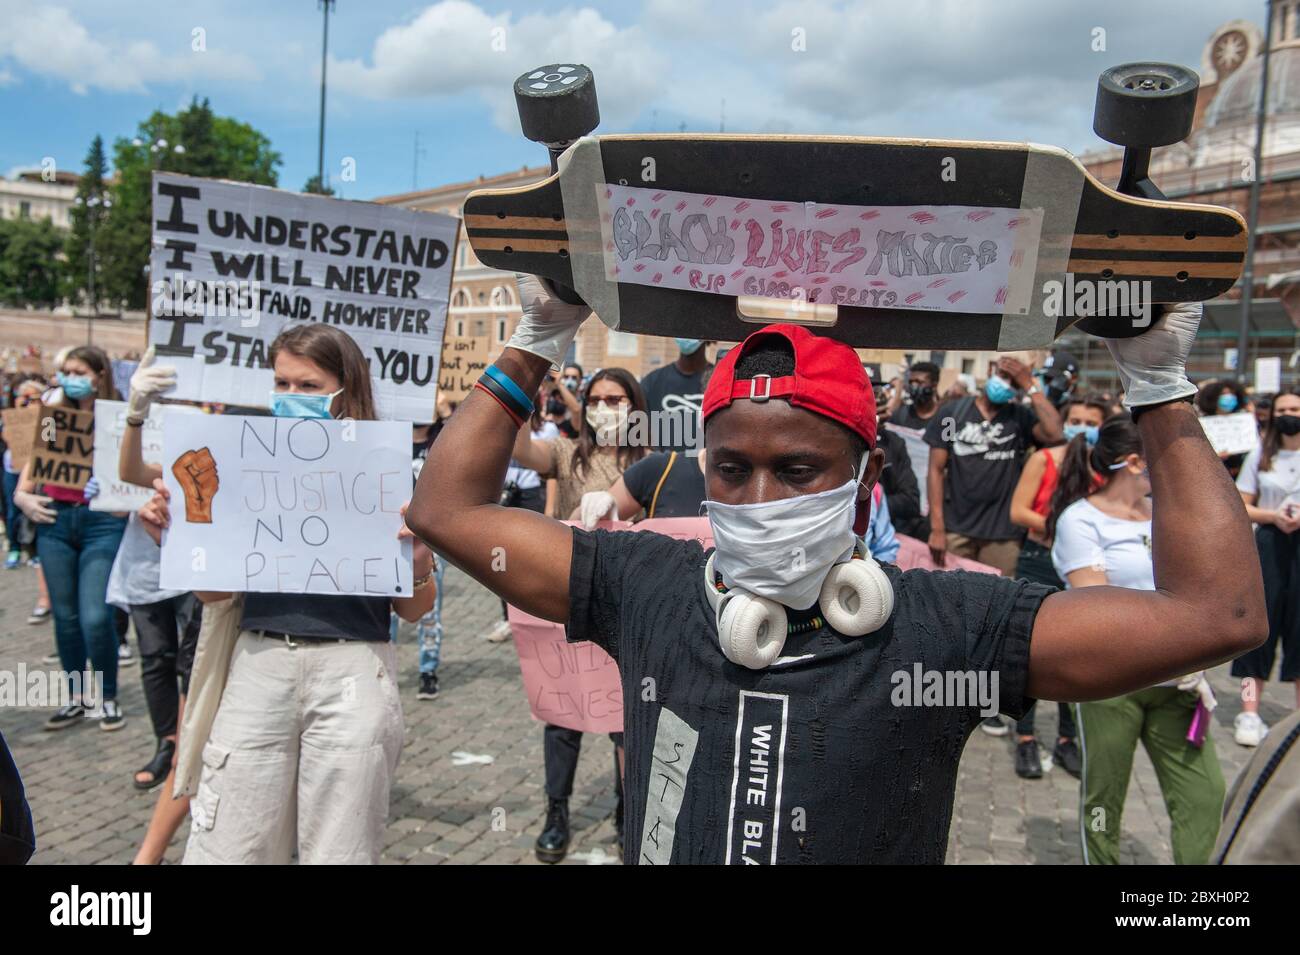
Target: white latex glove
{"points": [[148, 382], [595, 507], [35, 507], [549, 325], [1198, 684], [1153, 366]]}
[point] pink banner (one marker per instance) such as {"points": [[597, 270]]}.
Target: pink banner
{"points": [[577, 685]]}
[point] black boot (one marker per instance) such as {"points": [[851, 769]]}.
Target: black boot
{"points": [[553, 844]]}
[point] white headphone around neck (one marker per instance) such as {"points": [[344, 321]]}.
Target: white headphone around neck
{"points": [[856, 598]]}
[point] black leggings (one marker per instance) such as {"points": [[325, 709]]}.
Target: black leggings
{"points": [[560, 748], [1279, 559], [168, 632]]}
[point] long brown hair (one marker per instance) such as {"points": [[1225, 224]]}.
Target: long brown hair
{"points": [[96, 358], [1272, 439], [1116, 440], [586, 445], [335, 352]]}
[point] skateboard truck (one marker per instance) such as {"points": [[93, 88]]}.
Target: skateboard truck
{"points": [[1141, 106], [557, 104]]}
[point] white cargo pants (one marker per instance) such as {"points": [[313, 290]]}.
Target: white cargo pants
{"points": [[302, 752]]}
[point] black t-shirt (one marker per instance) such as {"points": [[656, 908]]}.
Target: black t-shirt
{"points": [[319, 615], [906, 417], [829, 768], [900, 486], [984, 461], [678, 398], [681, 492]]}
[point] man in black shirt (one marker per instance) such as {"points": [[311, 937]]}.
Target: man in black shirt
{"points": [[977, 445], [673, 394], [922, 394], [843, 749]]}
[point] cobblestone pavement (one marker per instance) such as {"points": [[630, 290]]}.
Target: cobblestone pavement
{"points": [[86, 810]]}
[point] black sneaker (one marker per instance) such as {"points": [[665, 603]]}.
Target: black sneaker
{"points": [[71, 715], [553, 844], [994, 726], [428, 687], [112, 719], [1066, 752], [1029, 764]]}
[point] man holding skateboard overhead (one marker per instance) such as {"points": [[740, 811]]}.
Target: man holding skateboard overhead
{"points": [[786, 699]]}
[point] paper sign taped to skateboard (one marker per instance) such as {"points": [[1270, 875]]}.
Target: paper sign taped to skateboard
{"points": [[235, 264], [286, 505], [929, 258]]}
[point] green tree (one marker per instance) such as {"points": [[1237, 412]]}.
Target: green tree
{"points": [[88, 215], [314, 187], [194, 142], [31, 269]]}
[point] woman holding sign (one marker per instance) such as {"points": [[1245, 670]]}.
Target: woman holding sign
{"points": [[75, 544], [1270, 486], [585, 470], [306, 738]]}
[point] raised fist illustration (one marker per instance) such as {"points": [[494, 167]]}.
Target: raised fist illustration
{"points": [[196, 473]]}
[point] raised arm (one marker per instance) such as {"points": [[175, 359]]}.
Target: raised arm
{"points": [[1208, 605], [147, 383], [529, 452], [517, 554], [1022, 499]]}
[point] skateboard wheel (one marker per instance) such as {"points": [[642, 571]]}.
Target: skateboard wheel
{"points": [[1145, 104], [557, 103]]}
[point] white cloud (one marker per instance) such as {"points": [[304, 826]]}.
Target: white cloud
{"points": [[49, 41]]}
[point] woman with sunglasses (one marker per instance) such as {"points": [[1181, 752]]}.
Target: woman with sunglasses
{"points": [[1270, 486], [1103, 538], [594, 462]]}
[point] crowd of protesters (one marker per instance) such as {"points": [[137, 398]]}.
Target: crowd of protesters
{"points": [[1030, 474]]}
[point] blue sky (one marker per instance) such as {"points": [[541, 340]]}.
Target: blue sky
{"points": [[975, 69]]}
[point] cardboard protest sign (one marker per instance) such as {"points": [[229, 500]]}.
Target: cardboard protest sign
{"points": [[234, 264], [110, 424], [286, 505], [931, 258], [20, 427], [1231, 433], [63, 454], [463, 361], [577, 685]]}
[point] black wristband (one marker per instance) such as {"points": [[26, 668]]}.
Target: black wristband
{"points": [[1143, 409], [499, 392]]}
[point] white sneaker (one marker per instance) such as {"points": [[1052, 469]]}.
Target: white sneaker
{"points": [[1249, 729], [500, 633]]}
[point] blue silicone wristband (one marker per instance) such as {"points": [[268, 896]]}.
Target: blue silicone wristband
{"points": [[508, 383]]}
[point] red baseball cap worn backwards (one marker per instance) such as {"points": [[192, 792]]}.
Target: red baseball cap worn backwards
{"points": [[828, 380]]}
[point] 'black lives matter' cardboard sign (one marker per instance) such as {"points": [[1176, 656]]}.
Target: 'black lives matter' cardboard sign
{"points": [[63, 454], [234, 264]]}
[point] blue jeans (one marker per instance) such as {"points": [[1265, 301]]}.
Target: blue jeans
{"points": [[77, 553], [428, 630], [12, 513]]}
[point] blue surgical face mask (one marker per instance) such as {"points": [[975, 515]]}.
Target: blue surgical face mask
{"points": [[1228, 402], [688, 346], [1090, 431], [76, 387], [998, 391], [292, 404]]}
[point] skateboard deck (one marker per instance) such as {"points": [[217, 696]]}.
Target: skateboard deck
{"points": [[890, 243]]}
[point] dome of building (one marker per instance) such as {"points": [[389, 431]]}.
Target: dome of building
{"points": [[1236, 99]]}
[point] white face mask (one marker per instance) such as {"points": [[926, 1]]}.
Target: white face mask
{"points": [[784, 549], [605, 421]]}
